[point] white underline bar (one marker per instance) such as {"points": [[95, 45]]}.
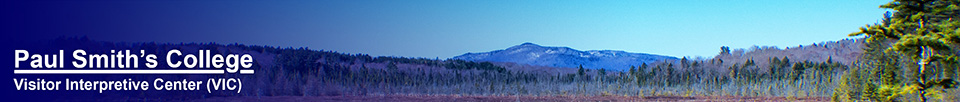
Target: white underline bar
{"points": [[126, 72], [246, 71]]}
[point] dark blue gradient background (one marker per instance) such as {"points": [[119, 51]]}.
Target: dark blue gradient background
{"points": [[33, 25]]}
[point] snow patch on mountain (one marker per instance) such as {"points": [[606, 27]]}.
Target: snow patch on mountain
{"points": [[533, 54]]}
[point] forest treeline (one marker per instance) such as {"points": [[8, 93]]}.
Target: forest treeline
{"points": [[309, 72], [910, 55], [305, 72]]}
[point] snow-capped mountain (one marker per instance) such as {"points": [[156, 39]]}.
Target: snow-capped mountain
{"points": [[533, 54]]}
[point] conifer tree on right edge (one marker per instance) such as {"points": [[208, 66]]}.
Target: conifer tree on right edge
{"points": [[919, 42]]}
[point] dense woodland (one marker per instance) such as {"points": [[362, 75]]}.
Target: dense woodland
{"points": [[886, 70], [331, 73], [305, 72]]}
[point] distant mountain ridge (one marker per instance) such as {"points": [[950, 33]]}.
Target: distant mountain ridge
{"points": [[533, 54]]}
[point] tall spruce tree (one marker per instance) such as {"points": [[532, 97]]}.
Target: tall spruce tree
{"points": [[921, 31]]}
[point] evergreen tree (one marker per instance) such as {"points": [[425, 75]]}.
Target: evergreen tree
{"points": [[774, 66], [580, 71], [642, 76], [724, 50], [786, 62], [798, 69], [925, 31], [684, 63]]}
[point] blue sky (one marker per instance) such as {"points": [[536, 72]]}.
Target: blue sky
{"points": [[446, 28]]}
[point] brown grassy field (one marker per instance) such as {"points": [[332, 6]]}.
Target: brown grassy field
{"points": [[452, 98]]}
